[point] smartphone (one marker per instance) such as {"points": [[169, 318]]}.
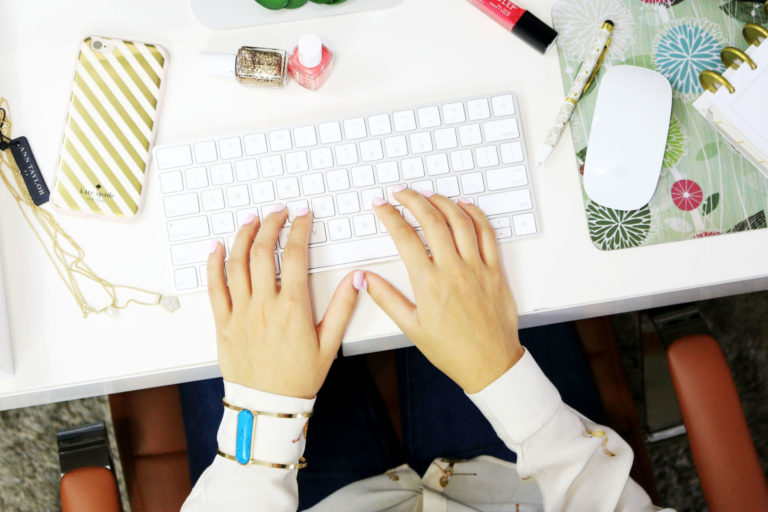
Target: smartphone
{"points": [[110, 128]]}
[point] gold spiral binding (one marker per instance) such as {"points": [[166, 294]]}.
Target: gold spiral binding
{"points": [[754, 33], [734, 58], [710, 80]]}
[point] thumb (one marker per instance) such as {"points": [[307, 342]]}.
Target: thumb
{"points": [[392, 302], [331, 328]]}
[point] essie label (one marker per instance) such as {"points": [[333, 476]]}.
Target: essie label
{"points": [[505, 12]]}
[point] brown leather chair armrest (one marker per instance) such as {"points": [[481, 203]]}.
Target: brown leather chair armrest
{"points": [[725, 457], [89, 489]]}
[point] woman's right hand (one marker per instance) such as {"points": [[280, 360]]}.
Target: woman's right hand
{"points": [[464, 319]]}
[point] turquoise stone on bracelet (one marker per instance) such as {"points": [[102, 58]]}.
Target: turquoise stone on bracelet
{"points": [[244, 436]]}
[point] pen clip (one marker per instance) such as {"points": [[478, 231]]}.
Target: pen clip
{"points": [[591, 78]]}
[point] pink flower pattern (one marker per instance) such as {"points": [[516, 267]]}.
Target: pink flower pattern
{"points": [[687, 195]]}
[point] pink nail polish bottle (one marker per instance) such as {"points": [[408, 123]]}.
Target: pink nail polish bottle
{"points": [[311, 62]]}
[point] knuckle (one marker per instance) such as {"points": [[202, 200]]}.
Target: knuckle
{"points": [[433, 216], [293, 251], [261, 250]]}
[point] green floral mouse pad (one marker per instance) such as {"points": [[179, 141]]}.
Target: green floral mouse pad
{"points": [[706, 188]]}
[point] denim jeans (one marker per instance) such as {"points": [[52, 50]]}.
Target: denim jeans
{"points": [[351, 437]]}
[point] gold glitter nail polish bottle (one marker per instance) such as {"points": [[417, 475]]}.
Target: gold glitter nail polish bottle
{"points": [[253, 66]]}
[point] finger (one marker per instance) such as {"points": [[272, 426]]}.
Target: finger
{"points": [[486, 235], [407, 241], [238, 271], [218, 293], [462, 227], [330, 330], [435, 227], [263, 251], [392, 302], [296, 254]]}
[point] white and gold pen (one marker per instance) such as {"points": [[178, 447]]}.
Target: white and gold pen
{"points": [[584, 79]]}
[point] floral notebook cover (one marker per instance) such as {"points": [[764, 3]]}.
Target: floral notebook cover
{"points": [[706, 188]]}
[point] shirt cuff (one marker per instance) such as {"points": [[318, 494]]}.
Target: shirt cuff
{"points": [[520, 402], [278, 440]]}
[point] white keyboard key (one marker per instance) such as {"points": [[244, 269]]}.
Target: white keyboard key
{"points": [[255, 144], [362, 176], [288, 188], [321, 158], [413, 168], [203, 272], [212, 199], [387, 172], [367, 197], [237, 196], [472, 183], [185, 278], [296, 162], [348, 203], [391, 195], [271, 166], [364, 225], [339, 229], [453, 113], [505, 202], [294, 207], [177, 156], [503, 105], [317, 235], [396, 146], [462, 160], [242, 214], [370, 151], [305, 136], [262, 192], [506, 177], [222, 223], [196, 177], [280, 140], [405, 121], [346, 154], [525, 224], [503, 129], [185, 204], [429, 117], [350, 252], [312, 184], [469, 135], [337, 180], [187, 229], [411, 219], [478, 109], [500, 222], [230, 148], [512, 152], [449, 186], [246, 170], [503, 233], [424, 186], [379, 125], [445, 138], [191, 252], [420, 142], [205, 152], [322, 207], [221, 174], [487, 157], [171, 182], [354, 129], [437, 164], [330, 133], [282, 237], [268, 210]]}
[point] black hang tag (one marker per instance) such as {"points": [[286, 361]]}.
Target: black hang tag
{"points": [[30, 171]]}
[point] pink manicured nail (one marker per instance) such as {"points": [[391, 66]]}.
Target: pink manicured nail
{"points": [[378, 201], [249, 218], [464, 200], [427, 193], [398, 188], [302, 212], [214, 246], [278, 208], [359, 281]]}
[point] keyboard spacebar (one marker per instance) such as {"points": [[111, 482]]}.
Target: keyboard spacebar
{"points": [[344, 253]]}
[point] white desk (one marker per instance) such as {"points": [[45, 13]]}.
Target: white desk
{"points": [[421, 51]]}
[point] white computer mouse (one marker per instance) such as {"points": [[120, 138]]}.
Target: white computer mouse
{"points": [[628, 137]]}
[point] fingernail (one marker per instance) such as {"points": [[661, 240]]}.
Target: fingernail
{"points": [[398, 188], [378, 201], [359, 282], [214, 246], [302, 212], [427, 193], [278, 208], [249, 218], [464, 200]]}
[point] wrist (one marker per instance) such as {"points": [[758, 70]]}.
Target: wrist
{"points": [[492, 369]]}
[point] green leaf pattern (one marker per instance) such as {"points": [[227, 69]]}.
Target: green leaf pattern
{"points": [[616, 229]]}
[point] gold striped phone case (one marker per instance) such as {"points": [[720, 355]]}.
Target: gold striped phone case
{"points": [[110, 127]]}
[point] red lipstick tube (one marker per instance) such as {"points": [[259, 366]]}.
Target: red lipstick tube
{"points": [[520, 22]]}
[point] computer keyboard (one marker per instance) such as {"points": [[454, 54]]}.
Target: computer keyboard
{"points": [[469, 147]]}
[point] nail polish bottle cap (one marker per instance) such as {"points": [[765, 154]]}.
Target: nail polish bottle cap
{"points": [[219, 64], [310, 51]]}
